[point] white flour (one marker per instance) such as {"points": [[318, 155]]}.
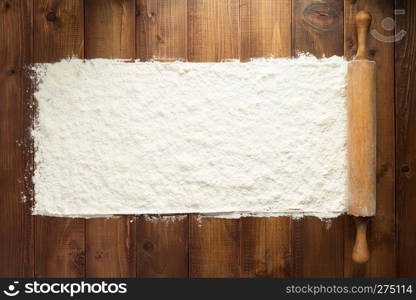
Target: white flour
{"points": [[267, 137]]}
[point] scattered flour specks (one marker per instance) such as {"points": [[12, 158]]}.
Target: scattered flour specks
{"points": [[266, 137]]}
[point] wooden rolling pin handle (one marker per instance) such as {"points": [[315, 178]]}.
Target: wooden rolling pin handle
{"points": [[363, 21], [360, 253]]}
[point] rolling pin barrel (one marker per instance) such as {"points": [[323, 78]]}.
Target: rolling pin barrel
{"points": [[361, 139]]}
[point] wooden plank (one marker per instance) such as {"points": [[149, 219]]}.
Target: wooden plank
{"points": [[279, 247], [161, 29], [214, 247], [265, 28], [59, 242], [318, 245], [162, 247], [253, 247], [58, 29], [59, 247], [213, 30], [381, 235], [110, 29], [213, 35], [406, 138], [266, 248], [110, 243], [16, 223], [111, 247], [317, 27]]}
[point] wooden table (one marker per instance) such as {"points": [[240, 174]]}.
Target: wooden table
{"points": [[205, 30]]}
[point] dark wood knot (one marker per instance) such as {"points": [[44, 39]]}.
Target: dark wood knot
{"points": [[405, 169], [382, 172], [51, 16], [7, 5], [320, 16], [371, 53], [159, 39], [148, 246], [99, 254], [79, 258]]}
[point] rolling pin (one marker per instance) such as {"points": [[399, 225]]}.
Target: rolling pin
{"points": [[361, 94]]}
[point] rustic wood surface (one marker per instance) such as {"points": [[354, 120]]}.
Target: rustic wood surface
{"points": [[190, 246], [213, 35], [110, 243], [406, 140], [162, 246], [16, 224], [59, 242], [266, 249]]}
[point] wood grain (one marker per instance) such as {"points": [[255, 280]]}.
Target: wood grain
{"points": [[59, 242], [317, 245], [381, 232], [317, 27], [214, 247], [58, 29], [161, 31], [16, 223], [110, 243], [213, 30], [213, 35], [162, 246], [266, 248], [111, 247], [406, 139], [253, 247], [265, 28], [110, 29], [59, 247]]}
